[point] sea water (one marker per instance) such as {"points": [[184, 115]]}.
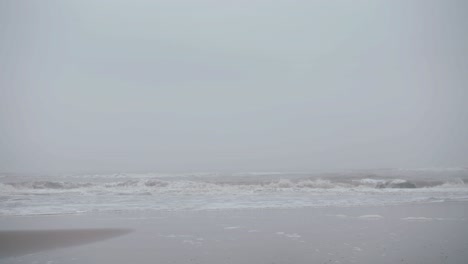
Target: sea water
{"points": [[85, 193]]}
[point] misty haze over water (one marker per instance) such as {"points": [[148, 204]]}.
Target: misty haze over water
{"points": [[183, 86]]}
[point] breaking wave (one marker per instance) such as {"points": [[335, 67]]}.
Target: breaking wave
{"points": [[29, 195], [197, 186]]}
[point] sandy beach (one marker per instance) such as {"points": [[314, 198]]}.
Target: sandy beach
{"points": [[416, 233]]}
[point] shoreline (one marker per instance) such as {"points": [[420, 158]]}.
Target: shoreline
{"points": [[411, 233], [168, 211]]}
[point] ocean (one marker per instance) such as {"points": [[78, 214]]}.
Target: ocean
{"points": [[23, 195]]}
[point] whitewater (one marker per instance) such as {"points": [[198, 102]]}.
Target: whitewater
{"points": [[94, 193]]}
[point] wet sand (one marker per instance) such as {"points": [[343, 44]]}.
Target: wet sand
{"points": [[22, 242], [418, 233]]}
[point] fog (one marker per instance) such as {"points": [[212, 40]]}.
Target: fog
{"points": [[179, 85]]}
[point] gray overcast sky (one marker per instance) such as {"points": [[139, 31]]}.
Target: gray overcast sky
{"points": [[182, 85]]}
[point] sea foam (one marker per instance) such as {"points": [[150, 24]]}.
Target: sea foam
{"points": [[203, 191]]}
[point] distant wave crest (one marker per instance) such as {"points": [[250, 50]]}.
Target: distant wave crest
{"points": [[30, 195], [195, 186]]}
